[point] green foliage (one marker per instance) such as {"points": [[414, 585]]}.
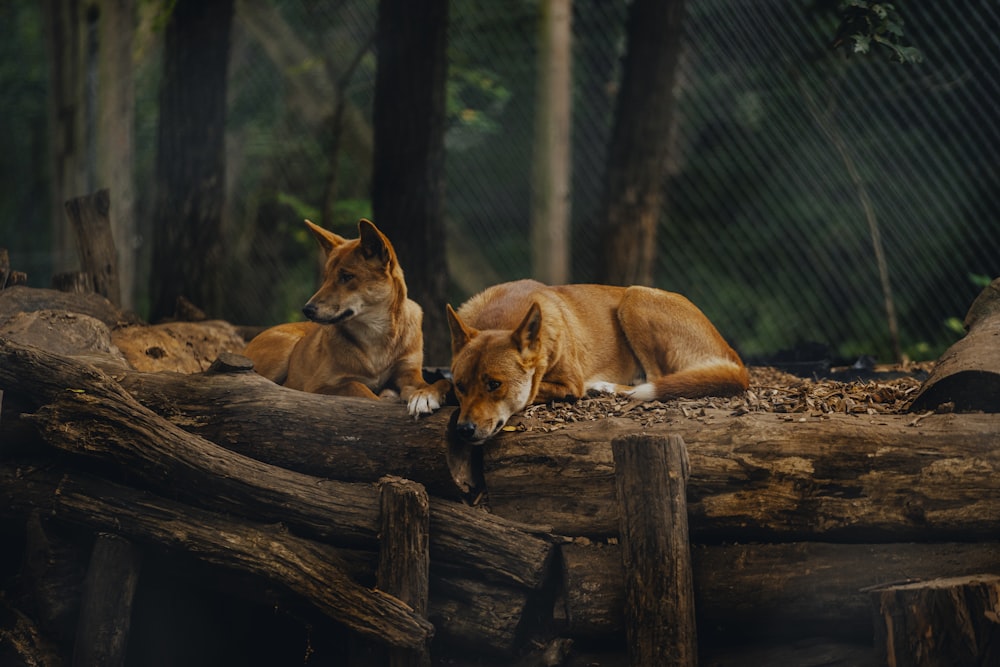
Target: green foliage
{"points": [[864, 24], [476, 97]]}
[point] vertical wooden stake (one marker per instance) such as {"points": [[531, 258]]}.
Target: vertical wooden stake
{"points": [[91, 218], [404, 561], [651, 480], [106, 604], [952, 621]]}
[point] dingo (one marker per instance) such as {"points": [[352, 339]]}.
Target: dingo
{"points": [[364, 336], [524, 342]]}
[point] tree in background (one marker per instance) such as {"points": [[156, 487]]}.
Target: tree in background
{"points": [[91, 121], [408, 171], [190, 160], [637, 158]]}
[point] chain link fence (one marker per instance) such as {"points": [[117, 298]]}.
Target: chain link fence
{"points": [[811, 198]]}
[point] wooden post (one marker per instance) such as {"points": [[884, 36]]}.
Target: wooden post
{"points": [[651, 481], [106, 605], [91, 220], [953, 621], [404, 562]]}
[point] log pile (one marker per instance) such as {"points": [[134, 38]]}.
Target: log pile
{"points": [[516, 549]]}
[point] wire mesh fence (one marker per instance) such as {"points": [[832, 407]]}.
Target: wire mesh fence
{"points": [[811, 197]]}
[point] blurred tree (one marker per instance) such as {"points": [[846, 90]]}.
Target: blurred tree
{"points": [[408, 171], [92, 112], [190, 161], [637, 159]]}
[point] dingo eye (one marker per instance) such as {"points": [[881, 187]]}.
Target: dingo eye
{"points": [[345, 277], [492, 385], [459, 387]]}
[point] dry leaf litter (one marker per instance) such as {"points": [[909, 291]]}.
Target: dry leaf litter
{"points": [[787, 396]]}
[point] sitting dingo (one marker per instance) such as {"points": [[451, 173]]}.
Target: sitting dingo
{"points": [[523, 342], [364, 336]]}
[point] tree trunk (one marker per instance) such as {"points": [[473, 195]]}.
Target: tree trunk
{"points": [[552, 166], [764, 592], [116, 136], [190, 160], [637, 159], [90, 216], [408, 174], [937, 623]]}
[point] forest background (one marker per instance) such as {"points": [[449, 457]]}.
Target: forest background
{"points": [[803, 194]]}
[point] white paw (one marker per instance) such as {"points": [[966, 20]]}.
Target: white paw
{"points": [[422, 404], [601, 387]]}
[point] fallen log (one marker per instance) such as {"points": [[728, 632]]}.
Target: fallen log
{"points": [[303, 567], [756, 477], [764, 592], [967, 376], [91, 415], [764, 477]]}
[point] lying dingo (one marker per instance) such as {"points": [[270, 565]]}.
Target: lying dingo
{"points": [[523, 342], [364, 336]]}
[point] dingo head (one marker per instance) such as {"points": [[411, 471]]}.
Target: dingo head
{"points": [[494, 373], [361, 279]]}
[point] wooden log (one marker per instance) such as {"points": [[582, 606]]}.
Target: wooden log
{"points": [[310, 570], [21, 299], [90, 218], [21, 640], [73, 282], [967, 376], [650, 479], [478, 616], [953, 621], [404, 562], [756, 477], [761, 477], [763, 592], [106, 605], [92, 415]]}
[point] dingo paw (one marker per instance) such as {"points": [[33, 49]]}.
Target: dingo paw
{"points": [[423, 402]]}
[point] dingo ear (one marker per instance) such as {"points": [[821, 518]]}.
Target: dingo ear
{"points": [[460, 334], [527, 336], [327, 239], [374, 244]]}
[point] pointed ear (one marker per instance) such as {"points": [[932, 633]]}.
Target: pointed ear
{"points": [[460, 334], [527, 336], [374, 244], [327, 240]]}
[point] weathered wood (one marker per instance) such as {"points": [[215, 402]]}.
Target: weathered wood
{"points": [[22, 642], [967, 376], [762, 477], [478, 615], [764, 592], [954, 621], [403, 562], [106, 604], [650, 478], [90, 216], [90, 414], [304, 567], [21, 299], [73, 282], [757, 477]]}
